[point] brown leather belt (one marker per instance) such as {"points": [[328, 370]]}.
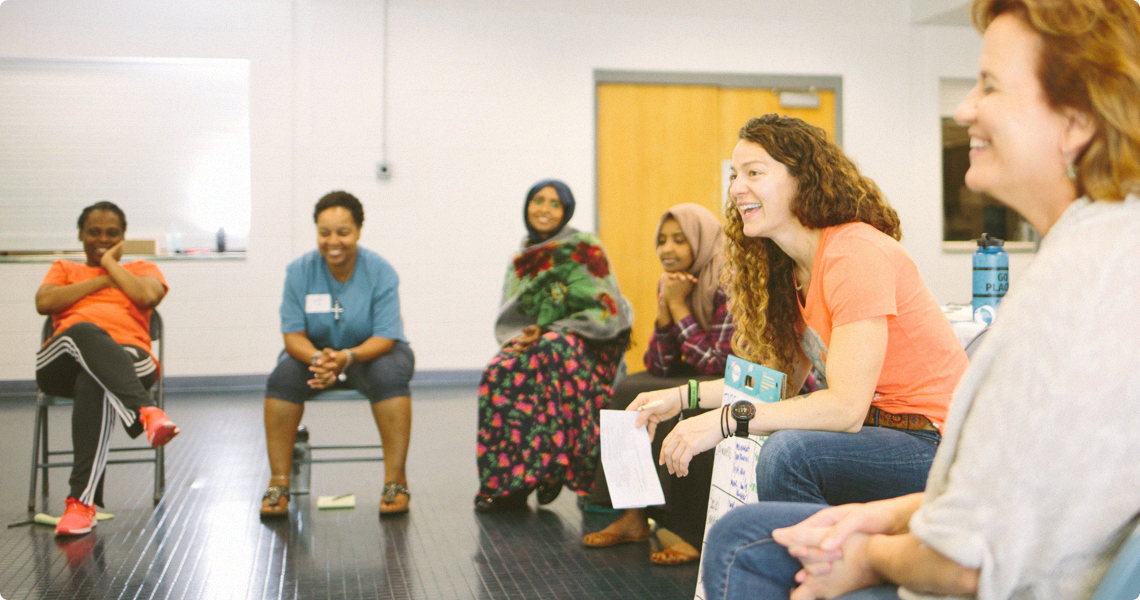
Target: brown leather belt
{"points": [[878, 418]]}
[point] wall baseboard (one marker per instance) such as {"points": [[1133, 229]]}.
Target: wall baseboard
{"points": [[17, 389]]}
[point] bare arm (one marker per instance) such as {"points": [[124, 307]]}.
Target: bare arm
{"points": [[52, 299], [370, 349], [145, 291], [331, 362], [903, 559], [855, 361], [675, 290], [848, 547], [817, 539], [298, 346]]}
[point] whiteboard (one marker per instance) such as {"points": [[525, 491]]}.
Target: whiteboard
{"points": [[165, 139]]}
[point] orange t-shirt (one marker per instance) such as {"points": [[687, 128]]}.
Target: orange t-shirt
{"points": [[109, 307], [861, 273]]}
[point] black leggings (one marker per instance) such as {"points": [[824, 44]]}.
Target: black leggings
{"points": [[686, 498], [83, 362]]}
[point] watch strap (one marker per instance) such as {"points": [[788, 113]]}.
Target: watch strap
{"points": [[741, 428]]}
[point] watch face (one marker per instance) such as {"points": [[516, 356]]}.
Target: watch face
{"points": [[743, 409]]}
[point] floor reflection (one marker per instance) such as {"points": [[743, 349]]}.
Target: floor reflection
{"points": [[206, 540]]}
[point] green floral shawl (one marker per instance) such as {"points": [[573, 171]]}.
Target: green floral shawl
{"points": [[563, 284]]}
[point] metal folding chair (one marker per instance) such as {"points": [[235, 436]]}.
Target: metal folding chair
{"points": [[303, 457], [42, 454]]}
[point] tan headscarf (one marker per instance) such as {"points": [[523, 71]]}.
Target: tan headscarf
{"points": [[704, 233]]}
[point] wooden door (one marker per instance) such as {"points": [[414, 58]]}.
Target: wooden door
{"points": [[658, 146]]}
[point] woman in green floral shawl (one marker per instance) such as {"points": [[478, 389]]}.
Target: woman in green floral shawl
{"points": [[563, 327]]}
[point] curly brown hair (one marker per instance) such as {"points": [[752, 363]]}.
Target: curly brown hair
{"points": [[1089, 61], [758, 275]]}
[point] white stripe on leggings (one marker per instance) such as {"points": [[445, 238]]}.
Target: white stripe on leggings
{"points": [[101, 451], [64, 344]]}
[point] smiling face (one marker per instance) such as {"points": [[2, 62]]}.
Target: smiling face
{"points": [[544, 213], [1020, 146], [673, 247], [762, 190], [337, 235], [102, 229]]}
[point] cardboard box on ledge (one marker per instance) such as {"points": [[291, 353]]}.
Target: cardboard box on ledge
{"points": [[143, 247]]}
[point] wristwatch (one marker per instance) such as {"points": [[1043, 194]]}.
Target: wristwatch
{"points": [[742, 411]]}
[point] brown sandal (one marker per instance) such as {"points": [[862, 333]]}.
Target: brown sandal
{"points": [[391, 490], [671, 557], [275, 502], [605, 539]]}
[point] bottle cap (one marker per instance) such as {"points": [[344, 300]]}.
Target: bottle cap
{"points": [[986, 241]]}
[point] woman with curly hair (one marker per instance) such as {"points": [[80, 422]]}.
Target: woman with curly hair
{"points": [[818, 279], [563, 327]]}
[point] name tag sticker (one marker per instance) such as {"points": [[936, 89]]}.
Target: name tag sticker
{"points": [[318, 303]]}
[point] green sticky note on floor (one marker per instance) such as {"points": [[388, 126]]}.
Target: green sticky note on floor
{"points": [[329, 502]]}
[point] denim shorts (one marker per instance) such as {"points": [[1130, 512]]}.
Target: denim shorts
{"points": [[386, 376]]}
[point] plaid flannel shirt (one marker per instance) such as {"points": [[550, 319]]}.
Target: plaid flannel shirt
{"points": [[679, 344]]}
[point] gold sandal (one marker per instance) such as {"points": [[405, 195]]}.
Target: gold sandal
{"points": [[391, 490], [670, 556], [275, 502]]}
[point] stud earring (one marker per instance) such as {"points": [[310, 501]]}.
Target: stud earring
{"points": [[1071, 172]]}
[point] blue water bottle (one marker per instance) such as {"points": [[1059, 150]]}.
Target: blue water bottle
{"points": [[991, 276]]}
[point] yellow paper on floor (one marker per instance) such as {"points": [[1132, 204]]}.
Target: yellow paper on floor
{"points": [[345, 501], [43, 519]]}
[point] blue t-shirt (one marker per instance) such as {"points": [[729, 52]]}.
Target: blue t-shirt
{"points": [[368, 304]]}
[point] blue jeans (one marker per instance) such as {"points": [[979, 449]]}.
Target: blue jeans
{"points": [[742, 561], [824, 467]]}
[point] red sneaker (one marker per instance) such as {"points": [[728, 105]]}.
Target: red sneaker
{"points": [[78, 518], [159, 428]]}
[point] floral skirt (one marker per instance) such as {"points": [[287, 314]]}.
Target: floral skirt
{"points": [[538, 414]]}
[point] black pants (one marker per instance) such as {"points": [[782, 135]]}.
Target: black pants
{"points": [[106, 380], [686, 498]]}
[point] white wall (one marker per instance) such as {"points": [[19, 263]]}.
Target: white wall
{"points": [[485, 97]]}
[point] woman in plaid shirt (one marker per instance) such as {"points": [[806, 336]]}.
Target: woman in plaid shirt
{"points": [[691, 340]]}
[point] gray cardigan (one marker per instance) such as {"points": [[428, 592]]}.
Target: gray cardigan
{"points": [[1037, 480]]}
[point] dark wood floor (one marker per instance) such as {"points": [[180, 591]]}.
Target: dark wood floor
{"points": [[205, 540]]}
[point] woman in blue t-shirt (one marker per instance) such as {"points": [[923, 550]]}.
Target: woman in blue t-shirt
{"points": [[340, 316]]}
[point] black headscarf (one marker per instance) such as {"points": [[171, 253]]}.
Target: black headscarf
{"points": [[564, 196]]}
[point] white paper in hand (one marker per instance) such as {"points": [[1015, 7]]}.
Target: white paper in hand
{"points": [[628, 460]]}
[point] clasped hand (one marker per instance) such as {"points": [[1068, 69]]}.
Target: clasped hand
{"points": [[832, 546], [526, 339], [675, 287], [325, 369], [688, 438]]}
